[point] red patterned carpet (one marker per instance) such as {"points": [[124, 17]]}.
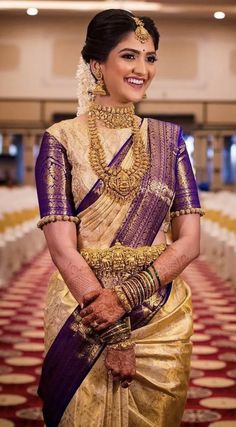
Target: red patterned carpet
{"points": [[212, 393]]}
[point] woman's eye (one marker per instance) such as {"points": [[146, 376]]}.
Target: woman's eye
{"points": [[152, 59], [128, 56]]}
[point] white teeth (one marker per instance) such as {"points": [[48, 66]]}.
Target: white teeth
{"points": [[135, 81]]}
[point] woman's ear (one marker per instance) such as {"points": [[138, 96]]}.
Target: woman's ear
{"points": [[95, 67]]}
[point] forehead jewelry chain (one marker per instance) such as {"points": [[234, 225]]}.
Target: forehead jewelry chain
{"points": [[141, 33], [120, 184]]}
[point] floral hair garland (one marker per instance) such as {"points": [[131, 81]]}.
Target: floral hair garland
{"points": [[86, 84]]}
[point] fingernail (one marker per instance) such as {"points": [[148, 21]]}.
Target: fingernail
{"points": [[81, 306]]}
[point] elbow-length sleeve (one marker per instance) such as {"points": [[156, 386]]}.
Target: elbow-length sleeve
{"points": [[186, 199], [53, 182]]}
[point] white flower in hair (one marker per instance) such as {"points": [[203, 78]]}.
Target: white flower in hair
{"points": [[86, 84]]}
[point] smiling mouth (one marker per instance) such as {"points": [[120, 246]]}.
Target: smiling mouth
{"points": [[135, 83]]}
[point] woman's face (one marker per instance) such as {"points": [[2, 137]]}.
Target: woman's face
{"points": [[128, 70]]}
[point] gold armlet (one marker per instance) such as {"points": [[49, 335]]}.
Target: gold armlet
{"points": [[53, 218], [187, 211]]}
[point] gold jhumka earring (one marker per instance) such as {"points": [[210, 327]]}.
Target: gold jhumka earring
{"points": [[141, 33], [99, 88]]}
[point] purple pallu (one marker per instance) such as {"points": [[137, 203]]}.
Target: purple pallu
{"points": [[65, 366], [73, 352]]}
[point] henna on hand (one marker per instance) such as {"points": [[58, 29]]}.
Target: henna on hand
{"points": [[170, 264], [90, 297], [104, 310], [80, 279], [121, 364]]}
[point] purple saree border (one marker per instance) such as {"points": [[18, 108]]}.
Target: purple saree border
{"points": [[69, 353], [51, 168], [145, 206]]}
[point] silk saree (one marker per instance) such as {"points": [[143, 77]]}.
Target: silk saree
{"points": [[116, 241]]}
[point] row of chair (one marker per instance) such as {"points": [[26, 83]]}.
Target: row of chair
{"points": [[218, 232], [20, 240]]}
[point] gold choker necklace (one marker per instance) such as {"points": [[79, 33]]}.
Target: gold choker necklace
{"points": [[120, 184], [113, 117]]}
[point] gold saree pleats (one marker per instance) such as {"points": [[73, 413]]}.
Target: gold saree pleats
{"points": [[100, 223]]}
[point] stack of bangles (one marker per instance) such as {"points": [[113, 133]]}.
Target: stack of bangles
{"points": [[118, 335], [138, 288], [131, 293]]}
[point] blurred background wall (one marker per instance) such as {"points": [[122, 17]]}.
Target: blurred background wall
{"points": [[39, 54], [195, 83]]}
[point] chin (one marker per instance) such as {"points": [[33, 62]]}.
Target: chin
{"points": [[134, 98]]}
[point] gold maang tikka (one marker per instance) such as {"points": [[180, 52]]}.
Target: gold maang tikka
{"points": [[141, 33]]}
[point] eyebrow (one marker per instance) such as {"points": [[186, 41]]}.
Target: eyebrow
{"points": [[136, 51]]}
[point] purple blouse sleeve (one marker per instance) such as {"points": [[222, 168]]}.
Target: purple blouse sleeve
{"points": [[53, 182], [186, 198]]}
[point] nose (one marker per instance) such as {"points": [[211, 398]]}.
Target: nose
{"points": [[140, 67]]}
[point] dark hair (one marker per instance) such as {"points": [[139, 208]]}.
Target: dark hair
{"points": [[108, 28]]}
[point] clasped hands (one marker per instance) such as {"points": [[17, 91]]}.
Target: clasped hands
{"points": [[101, 309]]}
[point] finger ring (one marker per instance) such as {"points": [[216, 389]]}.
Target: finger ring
{"points": [[94, 324], [125, 384]]}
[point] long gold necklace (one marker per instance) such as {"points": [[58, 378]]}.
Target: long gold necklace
{"points": [[120, 184]]}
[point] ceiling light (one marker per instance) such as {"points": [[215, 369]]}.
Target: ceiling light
{"points": [[219, 15], [82, 5], [32, 11]]}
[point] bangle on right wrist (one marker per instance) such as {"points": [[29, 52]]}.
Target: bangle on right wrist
{"points": [[122, 345], [120, 331]]}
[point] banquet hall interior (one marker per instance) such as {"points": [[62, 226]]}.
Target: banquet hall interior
{"points": [[195, 87]]}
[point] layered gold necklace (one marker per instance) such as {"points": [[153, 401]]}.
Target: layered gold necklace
{"points": [[120, 184]]}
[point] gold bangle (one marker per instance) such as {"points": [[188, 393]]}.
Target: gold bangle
{"points": [[130, 295], [119, 331], [131, 286], [157, 276], [117, 338], [144, 285], [122, 345], [156, 282], [151, 283], [123, 298]]}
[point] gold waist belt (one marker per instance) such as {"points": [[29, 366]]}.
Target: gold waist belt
{"points": [[120, 261]]}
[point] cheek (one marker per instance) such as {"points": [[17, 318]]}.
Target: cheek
{"points": [[152, 72], [124, 68]]}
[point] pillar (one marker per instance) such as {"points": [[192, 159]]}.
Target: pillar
{"points": [[28, 147], [7, 140], [200, 158]]}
